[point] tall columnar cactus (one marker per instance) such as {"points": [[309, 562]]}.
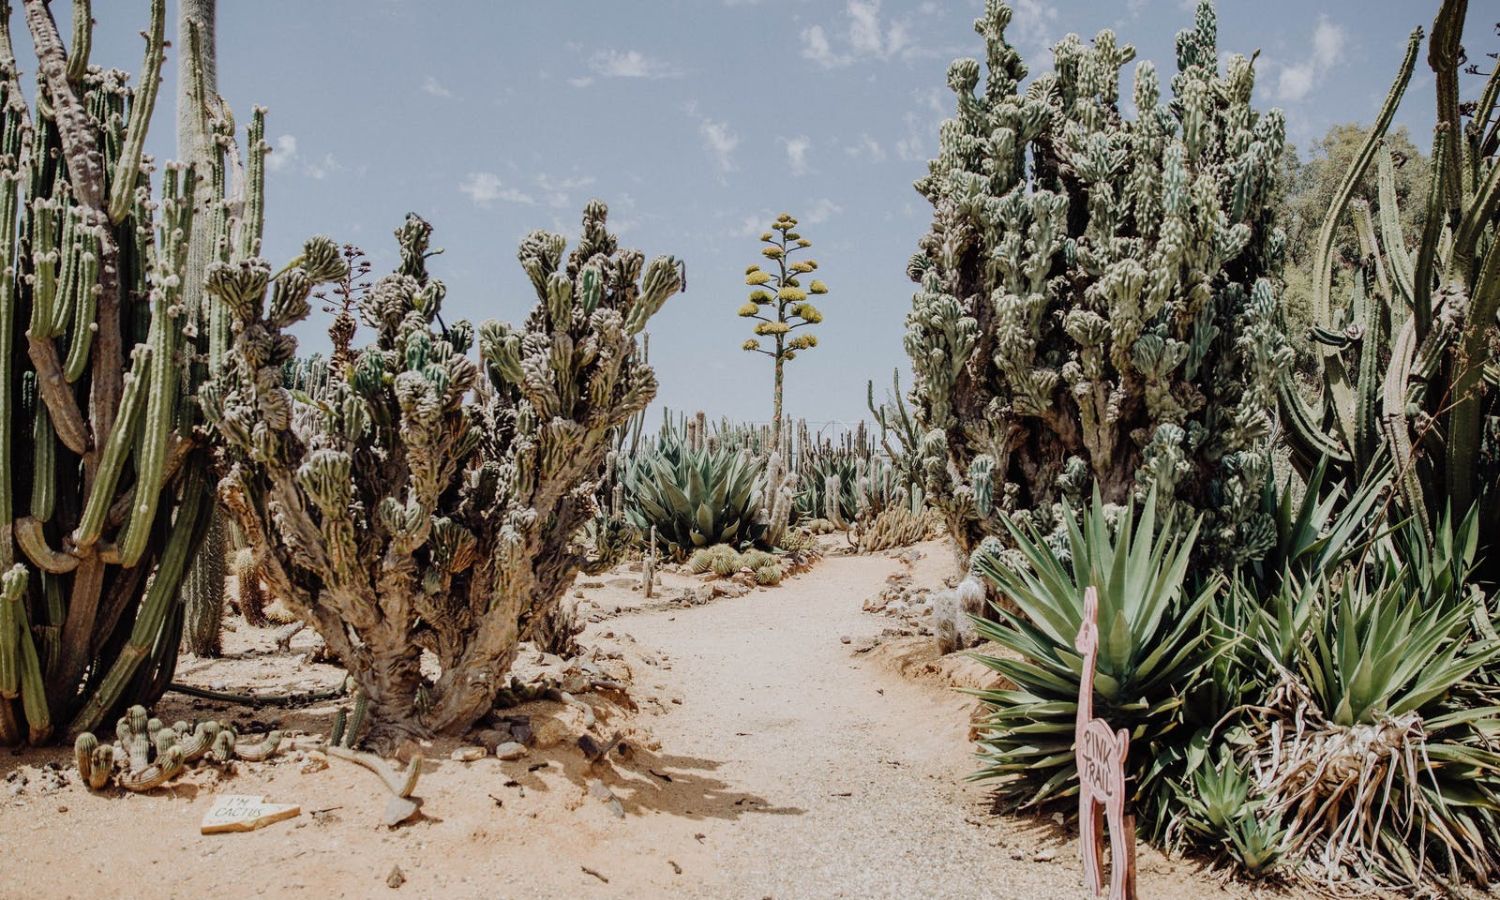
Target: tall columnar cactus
{"points": [[103, 485], [1407, 359], [1096, 299], [416, 501], [778, 302], [199, 111]]}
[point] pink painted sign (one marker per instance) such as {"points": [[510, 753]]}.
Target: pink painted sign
{"points": [[1100, 753]]}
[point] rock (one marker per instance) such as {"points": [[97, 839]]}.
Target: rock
{"points": [[600, 791], [315, 762], [1046, 855], [468, 754], [398, 810], [510, 750], [846, 639], [490, 738], [396, 878], [408, 750]]}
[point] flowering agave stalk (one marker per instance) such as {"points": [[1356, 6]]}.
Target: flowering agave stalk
{"points": [[778, 315], [405, 504]]}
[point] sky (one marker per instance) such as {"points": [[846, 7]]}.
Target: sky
{"points": [[697, 121]]}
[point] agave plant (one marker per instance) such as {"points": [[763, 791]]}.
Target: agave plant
{"points": [[1375, 746], [1153, 646], [695, 496], [1221, 811]]}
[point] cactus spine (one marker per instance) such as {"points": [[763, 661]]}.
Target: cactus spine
{"points": [[1096, 293]]}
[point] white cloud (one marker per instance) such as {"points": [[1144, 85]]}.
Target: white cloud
{"points": [[629, 64], [1297, 80], [484, 188], [1034, 25], [283, 153], [868, 34], [867, 149], [431, 85], [796, 153], [582, 81], [720, 141], [558, 192], [821, 210], [322, 168]]}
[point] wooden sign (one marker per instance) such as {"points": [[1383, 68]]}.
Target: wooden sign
{"points": [[1100, 753], [245, 812]]}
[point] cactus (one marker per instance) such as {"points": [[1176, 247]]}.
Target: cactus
{"points": [[399, 503], [113, 491], [780, 313], [1406, 359], [147, 754], [1096, 294]]}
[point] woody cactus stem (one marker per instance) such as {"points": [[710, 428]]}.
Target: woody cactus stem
{"points": [[410, 507], [1096, 300], [96, 423], [1407, 358], [778, 315]]}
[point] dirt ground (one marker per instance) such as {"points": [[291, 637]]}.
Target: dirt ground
{"points": [[781, 743]]}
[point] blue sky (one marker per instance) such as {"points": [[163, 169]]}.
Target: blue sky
{"points": [[697, 121]]}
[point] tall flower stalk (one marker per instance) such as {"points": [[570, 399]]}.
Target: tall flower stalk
{"points": [[780, 313]]}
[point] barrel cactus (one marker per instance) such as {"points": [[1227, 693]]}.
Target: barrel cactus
{"points": [[414, 500], [1097, 300]]}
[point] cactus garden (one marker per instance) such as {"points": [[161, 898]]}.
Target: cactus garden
{"points": [[388, 468]]}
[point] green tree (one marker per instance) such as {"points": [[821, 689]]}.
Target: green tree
{"points": [[778, 315]]}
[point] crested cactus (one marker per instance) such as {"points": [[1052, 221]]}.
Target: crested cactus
{"points": [[103, 481], [1096, 297], [779, 305], [415, 499]]}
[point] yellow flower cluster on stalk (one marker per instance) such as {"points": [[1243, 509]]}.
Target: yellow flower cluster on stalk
{"points": [[778, 301]]}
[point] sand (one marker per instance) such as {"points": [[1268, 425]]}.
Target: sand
{"points": [[767, 757]]}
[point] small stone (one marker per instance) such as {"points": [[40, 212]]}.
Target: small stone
{"points": [[396, 878], [315, 762], [398, 810], [510, 750], [1047, 855], [845, 639], [600, 791], [490, 738], [468, 754]]}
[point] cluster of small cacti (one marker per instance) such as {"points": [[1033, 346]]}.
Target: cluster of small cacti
{"points": [[900, 523], [954, 613], [1096, 301], [724, 561], [147, 753], [395, 502], [107, 485]]}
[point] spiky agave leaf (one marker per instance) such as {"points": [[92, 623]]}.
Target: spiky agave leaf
{"points": [[1153, 646]]}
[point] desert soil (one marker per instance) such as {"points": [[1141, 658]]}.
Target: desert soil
{"points": [[769, 752]]}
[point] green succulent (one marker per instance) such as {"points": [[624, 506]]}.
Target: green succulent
{"points": [[1153, 646], [695, 497]]}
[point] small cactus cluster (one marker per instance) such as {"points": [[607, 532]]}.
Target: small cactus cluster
{"points": [[903, 521], [724, 561], [1096, 301], [410, 497], [147, 753]]}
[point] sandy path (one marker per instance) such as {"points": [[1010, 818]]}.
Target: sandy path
{"points": [[860, 772], [788, 766]]}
